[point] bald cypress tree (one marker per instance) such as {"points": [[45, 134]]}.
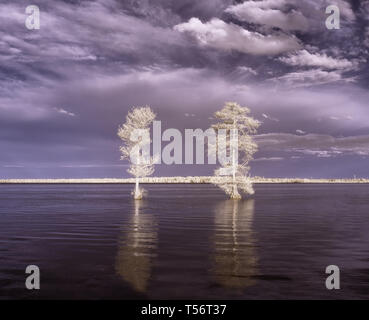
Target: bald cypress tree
{"points": [[135, 134], [234, 132]]}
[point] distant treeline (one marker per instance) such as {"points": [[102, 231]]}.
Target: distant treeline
{"points": [[198, 179]]}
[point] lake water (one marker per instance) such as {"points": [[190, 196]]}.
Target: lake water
{"points": [[184, 241]]}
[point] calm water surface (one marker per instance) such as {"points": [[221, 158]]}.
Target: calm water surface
{"points": [[184, 241]]}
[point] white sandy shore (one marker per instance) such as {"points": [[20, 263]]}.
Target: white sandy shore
{"points": [[203, 179]]}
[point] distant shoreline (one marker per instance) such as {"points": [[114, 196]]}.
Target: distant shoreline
{"points": [[177, 180]]}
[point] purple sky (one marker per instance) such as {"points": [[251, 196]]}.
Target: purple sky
{"points": [[65, 88]]}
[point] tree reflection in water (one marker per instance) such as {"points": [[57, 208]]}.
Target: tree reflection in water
{"points": [[235, 261], [137, 248]]}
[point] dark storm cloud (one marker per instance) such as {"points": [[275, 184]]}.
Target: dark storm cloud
{"points": [[168, 12], [65, 88]]}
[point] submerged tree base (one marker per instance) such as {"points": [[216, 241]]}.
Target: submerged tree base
{"points": [[235, 196], [137, 194]]}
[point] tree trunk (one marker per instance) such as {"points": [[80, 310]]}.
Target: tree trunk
{"points": [[137, 192], [137, 185], [234, 169], [235, 194]]}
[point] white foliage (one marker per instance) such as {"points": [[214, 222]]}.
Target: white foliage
{"points": [[235, 117], [138, 118]]}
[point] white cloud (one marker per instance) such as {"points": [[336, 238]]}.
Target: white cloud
{"points": [[63, 111], [305, 58], [334, 118], [319, 153], [298, 131], [310, 78], [12, 166], [269, 159], [189, 115], [344, 117], [267, 13], [92, 165], [264, 115], [247, 70], [220, 35]]}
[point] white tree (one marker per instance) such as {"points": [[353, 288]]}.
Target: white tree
{"points": [[234, 131], [135, 134]]}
